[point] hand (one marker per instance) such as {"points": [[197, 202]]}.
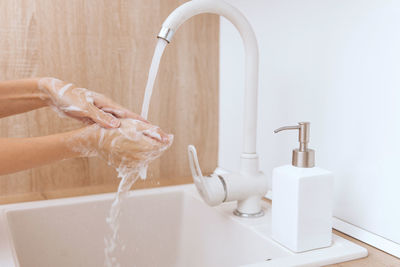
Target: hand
{"points": [[84, 105], [131, 146]]}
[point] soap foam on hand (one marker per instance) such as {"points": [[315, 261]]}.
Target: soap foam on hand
{"points": [[143, 173], [70, 101], [153, 134]]}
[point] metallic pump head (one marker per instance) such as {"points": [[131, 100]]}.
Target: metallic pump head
{"points": [[303, 156]]}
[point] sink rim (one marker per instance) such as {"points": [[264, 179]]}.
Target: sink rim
{"points": [[260, 226]]}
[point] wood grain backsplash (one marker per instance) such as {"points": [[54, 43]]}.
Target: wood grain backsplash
{"points": [[107, 46]]}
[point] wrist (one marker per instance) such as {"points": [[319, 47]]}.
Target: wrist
{"points": [[84, 141], [44, 87]]}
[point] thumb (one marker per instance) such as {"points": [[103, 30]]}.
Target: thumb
{"points": [[104, 119]]}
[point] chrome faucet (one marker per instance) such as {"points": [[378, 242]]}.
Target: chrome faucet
{"points": [[249, 185]]}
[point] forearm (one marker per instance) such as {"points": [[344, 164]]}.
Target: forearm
{"points": [[17, 154], [20, 96]]}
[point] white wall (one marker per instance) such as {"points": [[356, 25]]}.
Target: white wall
{"points": [[337, 65]]}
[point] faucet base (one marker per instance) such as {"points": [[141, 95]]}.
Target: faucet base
{"points": [[247, 215]]}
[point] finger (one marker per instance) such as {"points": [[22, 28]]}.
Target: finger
{"points": [[153, 132], [157, 134], [153, 136], [137, 117], [129, 114], [152, 146], [104, 119], [85, 120], [165, 138], [118, 111]]}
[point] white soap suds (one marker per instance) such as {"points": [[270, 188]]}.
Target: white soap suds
{"points": [[143, 173], [65, 99], [62, 91], [71, 108], [153, 134], [89, 96]]}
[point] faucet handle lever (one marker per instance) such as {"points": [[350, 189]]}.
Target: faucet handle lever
{"points": [[194, 165], [210, 188]]}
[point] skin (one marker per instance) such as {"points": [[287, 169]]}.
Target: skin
{"points": [[82, 104], [131, 145], [17, 154], [21, 96]]}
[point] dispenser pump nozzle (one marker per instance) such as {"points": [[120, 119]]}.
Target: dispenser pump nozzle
{"points": [[302, 157]]}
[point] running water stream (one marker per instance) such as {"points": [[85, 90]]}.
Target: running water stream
{"points": [[151, 78], [128, 177], [158, 52], [112, 240]]}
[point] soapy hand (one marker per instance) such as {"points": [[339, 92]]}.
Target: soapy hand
{"points": [[84, 105], [131, 146]]}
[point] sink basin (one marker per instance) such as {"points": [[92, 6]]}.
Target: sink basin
{"points": [[169, 226]]}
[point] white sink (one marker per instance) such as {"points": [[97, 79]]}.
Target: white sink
{"points": [[168, 226]]}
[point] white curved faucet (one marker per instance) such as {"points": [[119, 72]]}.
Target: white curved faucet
{"points": [[248, 186]]}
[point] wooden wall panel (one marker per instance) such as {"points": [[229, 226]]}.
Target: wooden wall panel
{"points": [[107, 46]]}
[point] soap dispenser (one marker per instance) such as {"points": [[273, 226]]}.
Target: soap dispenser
{"points": [[302, 199]]}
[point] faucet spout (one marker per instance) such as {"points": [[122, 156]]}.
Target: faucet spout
{"points": [[195, 7]]}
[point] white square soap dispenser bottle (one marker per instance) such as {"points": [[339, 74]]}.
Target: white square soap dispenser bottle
{"points": [[302, 199]]}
